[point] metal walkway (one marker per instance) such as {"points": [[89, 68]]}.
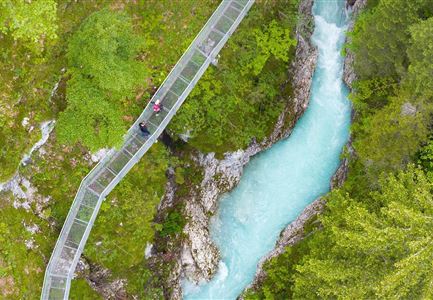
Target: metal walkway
{"points": [[116, 164]]}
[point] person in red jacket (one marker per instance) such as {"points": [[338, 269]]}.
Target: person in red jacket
{"points": [[157, 106]]}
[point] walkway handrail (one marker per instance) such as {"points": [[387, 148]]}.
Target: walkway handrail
{"points": [[101, 180]]}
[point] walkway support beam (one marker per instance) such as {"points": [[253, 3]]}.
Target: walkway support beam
{"points": [[116, 164]]}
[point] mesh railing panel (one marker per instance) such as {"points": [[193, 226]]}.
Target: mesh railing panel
{"points": [[117, 163]]}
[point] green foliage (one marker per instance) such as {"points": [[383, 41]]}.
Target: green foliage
{"points": [[179, 176], [372, 94], [142, 283], [392, 113], [381, 36], [425, 158], [31, 22], [21, 266], [125, 223], [373, 254], [173, 224], [12, 146], [275, 41], [57, 175], [29, 71], [389, 139], [279, 271], [240, 99], [421, 56], [81, 290], [27, 80], [163, 25], [103, 70]]}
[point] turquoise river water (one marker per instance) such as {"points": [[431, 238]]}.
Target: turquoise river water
{"points": [[280, 182]]}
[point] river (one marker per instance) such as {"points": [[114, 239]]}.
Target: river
{"points": [[280, 182]]}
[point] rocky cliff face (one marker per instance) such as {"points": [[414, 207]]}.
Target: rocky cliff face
{"points": [[349, 73], [199, 257]]}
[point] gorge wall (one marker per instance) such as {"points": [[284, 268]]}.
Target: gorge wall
{"points": [[198, 257]]}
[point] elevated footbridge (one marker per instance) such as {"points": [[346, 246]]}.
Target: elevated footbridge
{"points": [[116, 164]]}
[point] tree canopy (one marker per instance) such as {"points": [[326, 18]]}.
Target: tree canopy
{"points": [[32, 22], [386, 253], [103, 69], [381, 36], [392, 45], [421, 57]]}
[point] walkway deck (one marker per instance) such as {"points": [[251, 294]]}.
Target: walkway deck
{"points": [[117, 163]]}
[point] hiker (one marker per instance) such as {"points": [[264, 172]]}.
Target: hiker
{"points": [[157, 106], [143, 128]]}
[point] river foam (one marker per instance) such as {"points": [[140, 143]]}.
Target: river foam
{"points": [[280, 182]]}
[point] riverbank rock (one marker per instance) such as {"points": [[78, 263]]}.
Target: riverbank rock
{"points": [[340, 175], [349, 75], [99, 279], [293, 233], [199, 257]]}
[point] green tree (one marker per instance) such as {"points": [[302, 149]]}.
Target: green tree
{"points": [[380, 36], [372, 94], [425, 158], [273, 40], [173, 224], [420, 53], [365, 254], [32, 22], [103, 70], [389, 139], [393, 113]]}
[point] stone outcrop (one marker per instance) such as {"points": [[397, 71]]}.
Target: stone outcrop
{"points": [[199, 256], [349, 74], [408, 109], [98, 279], [340, 175]]}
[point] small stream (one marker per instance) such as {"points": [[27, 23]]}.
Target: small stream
{"points": [[46, 128], [280, 182], [13, 183]]}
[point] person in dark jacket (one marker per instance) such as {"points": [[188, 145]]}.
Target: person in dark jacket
{"points": [[143, 129]]}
